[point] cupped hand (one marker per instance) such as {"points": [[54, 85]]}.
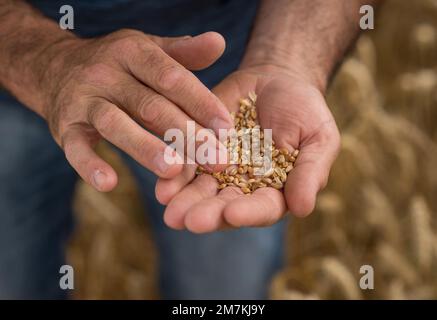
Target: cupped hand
{"points": [[117, 86], [296, 111]]}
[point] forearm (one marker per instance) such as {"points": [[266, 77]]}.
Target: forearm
{"points": [[305, 36], [25, 37]]}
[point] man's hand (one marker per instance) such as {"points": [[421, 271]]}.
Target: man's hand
{"points": [[295, 110], [112, 86]]}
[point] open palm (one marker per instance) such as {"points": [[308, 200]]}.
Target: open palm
{"points": [[296, 112]]}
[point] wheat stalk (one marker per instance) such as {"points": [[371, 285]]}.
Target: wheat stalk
{"points": [[338, 276]]}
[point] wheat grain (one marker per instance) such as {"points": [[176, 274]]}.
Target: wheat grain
{"points": [[283, 160]]}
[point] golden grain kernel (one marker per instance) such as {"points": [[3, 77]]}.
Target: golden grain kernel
{"points": [[277, 185], [284, 151], [275, 153], [232, 170], [267, 180], [296, 153], [242, 185], [246, 190], [245, 102], [258, 163], [268, 173], [252, 96], [253, 114], [250, 123]]}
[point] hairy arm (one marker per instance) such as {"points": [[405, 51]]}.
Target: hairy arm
{"points": [[305, 36], [26, 35]]}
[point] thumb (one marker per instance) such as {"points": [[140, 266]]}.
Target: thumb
{"points": [[194, 53]]}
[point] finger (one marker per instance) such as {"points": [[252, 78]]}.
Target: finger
{"points": [[311, 173], [118, 128], [194, 53], [78, 148], [166, 189], [204, 186], [207, 215], [153, 67], [264, 207], [159, 114]]}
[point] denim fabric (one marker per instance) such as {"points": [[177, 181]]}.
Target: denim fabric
{"points": [[36, 188], [37, 184]]}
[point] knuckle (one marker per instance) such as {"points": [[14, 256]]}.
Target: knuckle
{"points": [[146, 148], [152, 110], [96, 74], [127, 44], [169, 78], [126, 41], [126, 32], [154, 58], [103, 119]]}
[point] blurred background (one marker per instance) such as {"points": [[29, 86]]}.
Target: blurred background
{"points": [[379, 209]]}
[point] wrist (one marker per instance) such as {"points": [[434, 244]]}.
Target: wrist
{"points": [[26, 52], [40, 73], [49, 66], [277, 61]]}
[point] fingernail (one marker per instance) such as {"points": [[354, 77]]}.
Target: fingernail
{"points": [[218, 123], [99, 179], [160, 162]]}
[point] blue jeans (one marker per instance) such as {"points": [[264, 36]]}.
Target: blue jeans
{"points": [[36, 191]]}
